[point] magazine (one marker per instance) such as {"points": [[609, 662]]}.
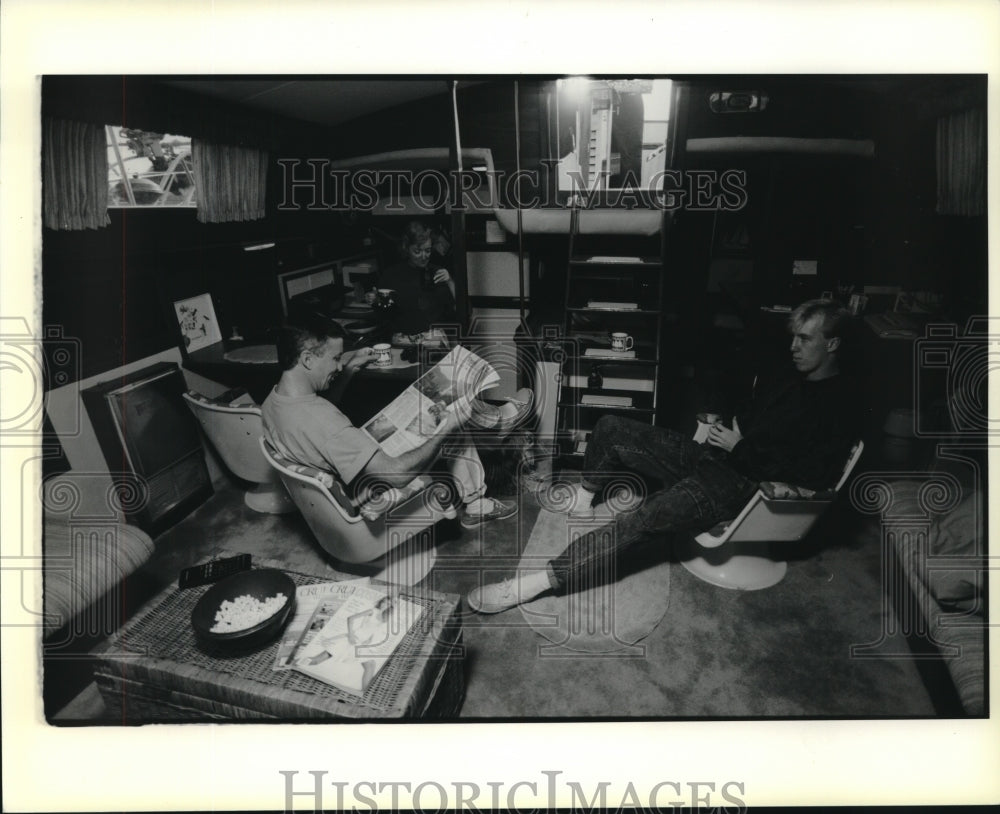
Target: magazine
{"points": [[347, 642], [307, 598], [414, 416]]}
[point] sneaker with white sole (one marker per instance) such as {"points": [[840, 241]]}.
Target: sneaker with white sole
{"points": [[502, 509], [495, 598], [506, 594]]}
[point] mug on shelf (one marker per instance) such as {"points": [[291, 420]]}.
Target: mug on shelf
{"points": [[621, 342], [383, 354], [385, 300]]}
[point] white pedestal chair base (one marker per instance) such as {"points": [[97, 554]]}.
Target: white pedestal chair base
{"points": [[409, 563], [725, 569], [270, 498]]}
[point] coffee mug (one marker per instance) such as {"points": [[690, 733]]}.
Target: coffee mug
{"points": [[383, 354], [621, 342], [705, 423]]}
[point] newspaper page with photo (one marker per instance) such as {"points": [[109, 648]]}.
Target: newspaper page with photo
{"points": [[347, 644], [307, 599], [414, 416]]}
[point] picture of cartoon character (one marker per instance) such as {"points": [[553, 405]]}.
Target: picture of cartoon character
{"points": [[196, 319], [193, 324]]}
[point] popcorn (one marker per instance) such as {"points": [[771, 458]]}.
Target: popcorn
{"points": [[245, 611]]}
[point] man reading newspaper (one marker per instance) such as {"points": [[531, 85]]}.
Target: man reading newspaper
{"points": [[402, 441]]}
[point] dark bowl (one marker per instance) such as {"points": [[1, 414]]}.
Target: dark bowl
{"points": [[261, 584]]}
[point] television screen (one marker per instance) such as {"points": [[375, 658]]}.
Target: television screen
{"points": [[156, 425]]}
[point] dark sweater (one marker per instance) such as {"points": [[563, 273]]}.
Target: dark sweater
{"points": [[420, 303], [798, 431]]}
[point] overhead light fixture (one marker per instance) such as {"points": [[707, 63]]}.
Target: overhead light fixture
{"points": [[256, 247]]}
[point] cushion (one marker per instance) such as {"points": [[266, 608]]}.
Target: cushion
{"points": [[324, 477], [376, 503], [84, 562], [958, 534], [776, 490], [950, 599], [330, 481], [89, 548]]}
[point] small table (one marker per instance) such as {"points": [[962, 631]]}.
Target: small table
{"points": [[154, 670]]}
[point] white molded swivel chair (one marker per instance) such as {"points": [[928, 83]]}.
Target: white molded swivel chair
{"points": [[389, 534], [235, 431], [735, 554]]}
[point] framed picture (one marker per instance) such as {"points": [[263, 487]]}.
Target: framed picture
{"points": [[198, 324]]}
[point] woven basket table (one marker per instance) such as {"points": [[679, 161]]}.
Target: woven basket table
{"points": [[154, 670]]}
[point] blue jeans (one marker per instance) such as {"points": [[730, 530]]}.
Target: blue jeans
{"points": [[698, 490]]}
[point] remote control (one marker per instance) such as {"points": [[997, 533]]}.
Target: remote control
{"points": [[213, 571]]}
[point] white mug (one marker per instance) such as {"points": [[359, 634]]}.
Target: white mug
{"points": [[383, 354], [621, 342]]}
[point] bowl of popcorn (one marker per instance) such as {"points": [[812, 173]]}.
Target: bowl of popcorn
{"points": [[246, 610]]}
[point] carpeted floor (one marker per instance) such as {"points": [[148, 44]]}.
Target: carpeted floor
{"points": [[782, 652]]}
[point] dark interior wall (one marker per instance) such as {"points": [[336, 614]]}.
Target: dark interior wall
{"points": [[111, 287], [867, 221]]}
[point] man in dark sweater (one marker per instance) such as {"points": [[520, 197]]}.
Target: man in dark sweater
{"points": [[797, 429]]}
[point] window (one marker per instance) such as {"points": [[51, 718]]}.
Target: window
{"points": [[148, 169], [612, 132]]}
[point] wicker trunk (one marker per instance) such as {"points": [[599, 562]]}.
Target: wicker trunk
{"points": [[154, 670]]}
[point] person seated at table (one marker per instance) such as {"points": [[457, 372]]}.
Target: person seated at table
{"points": [[798, 429], [424, 292], [303, 426]]}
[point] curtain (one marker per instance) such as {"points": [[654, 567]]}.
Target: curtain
{"points": [[961, 163], [74, 175], [230, 181]]}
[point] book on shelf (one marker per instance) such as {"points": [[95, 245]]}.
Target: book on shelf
{"points": [[607, 353], [348, 640], [416, 414], [599, 400], [613, 306], [603, 258]]}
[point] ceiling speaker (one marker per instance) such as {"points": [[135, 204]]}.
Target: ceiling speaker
{"points": [[737, 101]]}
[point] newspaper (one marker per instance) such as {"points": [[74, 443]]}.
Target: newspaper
{"points": [[348, 641], [415, 415], [307, 598]]}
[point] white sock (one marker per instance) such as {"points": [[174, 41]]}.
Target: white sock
{"points": [[582, 499], [532, 583], [479, 505], [507, 410]]}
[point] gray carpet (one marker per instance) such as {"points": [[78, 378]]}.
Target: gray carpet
{"points": [[603, 618], [782, 652]]}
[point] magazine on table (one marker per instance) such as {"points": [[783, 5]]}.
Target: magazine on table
{"points": [[347, 642], [416, 414], [307, 598]]}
